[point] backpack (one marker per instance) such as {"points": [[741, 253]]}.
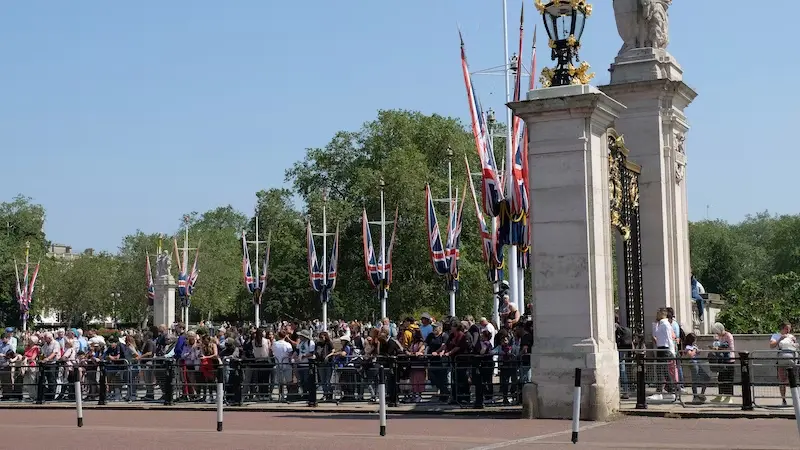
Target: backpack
{"points": [[624, 337]]}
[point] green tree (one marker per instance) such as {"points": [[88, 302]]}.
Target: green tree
{"points": [[219, 262], [21, 221], [406, 150]]}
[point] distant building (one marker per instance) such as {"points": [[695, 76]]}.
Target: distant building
{"points": [[64, 252]]}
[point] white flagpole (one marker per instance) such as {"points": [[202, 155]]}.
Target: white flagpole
{"points": [[512, 249], [258, 278], [451, 209], [384, 293], [324, 262], [186, 268]]}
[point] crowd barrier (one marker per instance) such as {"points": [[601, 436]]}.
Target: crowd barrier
{"points": [[468, 380], [744, 380]]}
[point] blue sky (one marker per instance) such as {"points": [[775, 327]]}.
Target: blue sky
{"points": [[119, 116]]}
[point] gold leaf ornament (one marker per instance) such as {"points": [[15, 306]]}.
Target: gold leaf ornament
{"points": [[539, 6]]}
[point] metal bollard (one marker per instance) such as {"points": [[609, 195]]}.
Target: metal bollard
{"points": [[576, 407], [79, 401], [795, 394], [220, 395], [238, 373], [392, 382], [40, 385], [477, 380], [641, 383], [168, 382], [311, 384], [102, 396], [747, 388], [382, 400]]}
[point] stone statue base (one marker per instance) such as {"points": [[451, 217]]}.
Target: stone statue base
{"points": [[164, 304], [645, 64]]}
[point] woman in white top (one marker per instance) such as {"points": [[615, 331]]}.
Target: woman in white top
{"points": [[262, 352], [663, 335]]}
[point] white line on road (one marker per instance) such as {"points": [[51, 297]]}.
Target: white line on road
{"points": [[538, 438]]}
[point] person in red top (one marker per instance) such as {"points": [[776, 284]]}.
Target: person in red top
{"points": [[457, 345]]}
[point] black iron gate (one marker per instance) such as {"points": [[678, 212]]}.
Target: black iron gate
{"points": [[623, 183]]}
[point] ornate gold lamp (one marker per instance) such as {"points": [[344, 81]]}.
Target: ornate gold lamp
{"points": [[564, 21]]}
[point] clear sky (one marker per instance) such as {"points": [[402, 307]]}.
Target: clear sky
{"points": [[119, 116]]}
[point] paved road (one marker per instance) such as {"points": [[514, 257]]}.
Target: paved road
{"points": [[36, 429]]}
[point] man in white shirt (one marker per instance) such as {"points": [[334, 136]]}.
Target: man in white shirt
{"points": [[665, 343], [51, 352], [774, 342], [282, 352], [486, 326]]}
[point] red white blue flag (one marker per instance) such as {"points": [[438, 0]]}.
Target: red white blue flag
{"points": [[373, 271], [388, 266], [314, 270], [262, 278], [151, 289], [247, 271], [436, 247], [334, 262]]}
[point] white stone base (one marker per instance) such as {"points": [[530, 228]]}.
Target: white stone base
{"points": [[644, 64], [164, 304]]}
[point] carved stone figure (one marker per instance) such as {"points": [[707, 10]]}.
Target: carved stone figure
{"points": [[680, 157], [642, 23], [164, 264]]}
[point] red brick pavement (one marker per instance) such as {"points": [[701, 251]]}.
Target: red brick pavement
{"points": [[196, 430]]}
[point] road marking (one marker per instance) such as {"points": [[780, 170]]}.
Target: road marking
{"points": [[538, 438]]}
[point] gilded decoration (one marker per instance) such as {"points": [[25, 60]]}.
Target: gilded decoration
{"points": [[616, 196]]}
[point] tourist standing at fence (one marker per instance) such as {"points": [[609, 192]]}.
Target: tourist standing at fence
{"points": [[262, 352], [31, 360], [663, 335], [324, 353], [786, 345], [282, 353], [725, 343], [700, 377], [189, 360], [437, 372], [208, 367], [624, 339], [676, 368], [51, 352]]}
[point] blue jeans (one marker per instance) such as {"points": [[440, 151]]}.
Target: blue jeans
{"points": [[625, 387], [701, 304], [699, 378]]}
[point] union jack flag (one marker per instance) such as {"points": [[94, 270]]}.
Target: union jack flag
{"points": [[194, 273], [437, 249], [371, 264], [247, 271], [388, 266], [491, 186], [334, 262], [315, 271], [490, 244], [151, 289], [262, 279]]}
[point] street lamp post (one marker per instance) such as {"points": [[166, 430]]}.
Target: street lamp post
{"points": [[384, 293]]}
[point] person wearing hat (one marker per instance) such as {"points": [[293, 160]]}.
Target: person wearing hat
{"points": [[305, 352], [12, 340], [427, 325], [340, 359]]}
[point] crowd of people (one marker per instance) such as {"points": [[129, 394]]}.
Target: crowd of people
{"points": [[444, 356]]}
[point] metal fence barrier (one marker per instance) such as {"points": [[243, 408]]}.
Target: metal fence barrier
{"points": [[467, 380]]}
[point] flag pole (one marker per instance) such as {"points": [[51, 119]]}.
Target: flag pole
{"points": [[25, 288], [383, 292], [257, 306], [185, 308], [324, 291], [451, 209], [509, 166]]}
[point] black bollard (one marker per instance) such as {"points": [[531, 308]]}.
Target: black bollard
{"points": [[641, 383], [102, 384]]}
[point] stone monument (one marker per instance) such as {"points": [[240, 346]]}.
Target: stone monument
{"points": [[649, 82], [571, 230], [164, 303]]}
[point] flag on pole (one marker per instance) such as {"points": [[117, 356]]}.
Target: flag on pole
{"points": [[374, 275], [491, 252], [247, 270], [389, 251], [334, 262], [151, 288], [262, 279], [29, 297], [195, 272], [491, 187], [437, 249], [314, 269]]}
